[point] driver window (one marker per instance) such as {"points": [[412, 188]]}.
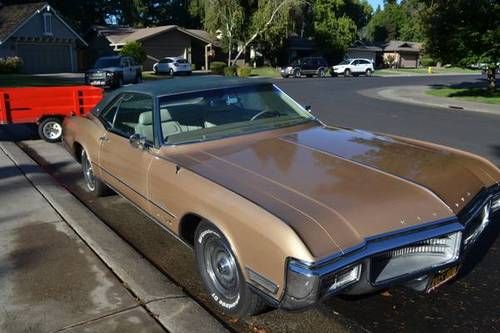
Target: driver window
{"points": [[135, 116]]}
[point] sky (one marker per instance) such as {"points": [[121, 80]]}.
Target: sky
{"points": [[375, 3]]}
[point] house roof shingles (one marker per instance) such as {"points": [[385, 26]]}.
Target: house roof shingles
{"points": [[123, 35], [398, 45], [12, 16]]}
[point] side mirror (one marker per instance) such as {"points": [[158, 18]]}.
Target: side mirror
{"points": [[138, 141], [308, 108]]}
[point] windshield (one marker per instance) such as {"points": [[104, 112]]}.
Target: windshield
{"points": [[220, 113], [107, 62], [345, 62]]}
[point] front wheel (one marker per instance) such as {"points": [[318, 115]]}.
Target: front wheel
{"points": [[347, 72], [221, 274], [50, 129], [171, 72], [297, 74]]}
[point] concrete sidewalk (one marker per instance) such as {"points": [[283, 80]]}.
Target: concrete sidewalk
{"points": [[62, 269], [417, 95]]}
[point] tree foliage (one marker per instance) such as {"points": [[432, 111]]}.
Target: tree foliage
{"points": [[396, 22], [463, 32], [135, 50], [334, 25]]}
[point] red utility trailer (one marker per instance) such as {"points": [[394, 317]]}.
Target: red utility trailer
{"points": [[46, 106]]}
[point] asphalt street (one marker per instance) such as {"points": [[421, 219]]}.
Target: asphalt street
{"points": [[469, 304]]}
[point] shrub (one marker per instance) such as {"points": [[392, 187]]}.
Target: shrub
{"points": [[244, 71], [135, 50], [11, 65], [217, 67], [427, 61], [230, 71]]}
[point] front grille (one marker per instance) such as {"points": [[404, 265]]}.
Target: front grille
{"points": [[415, 258], [97, 76], [430, 246]]}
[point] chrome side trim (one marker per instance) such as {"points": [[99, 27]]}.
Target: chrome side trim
{"points": [[261, 281]]}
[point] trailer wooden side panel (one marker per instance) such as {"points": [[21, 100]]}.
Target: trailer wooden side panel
{"points": [[30, 105]]}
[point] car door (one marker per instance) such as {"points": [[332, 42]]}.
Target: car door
{"points": [[308, 66], [355, 66], [128, 74], [125, 166]]}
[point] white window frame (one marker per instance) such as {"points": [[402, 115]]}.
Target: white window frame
{"points": [[47, 24]]}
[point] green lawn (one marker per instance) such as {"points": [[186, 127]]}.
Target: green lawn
{"points": [[480, 95], [424, 70], [266, 71], [151, 76], [24, 80]]}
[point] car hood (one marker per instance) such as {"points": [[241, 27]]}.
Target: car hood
{"points": [[337, 187]]}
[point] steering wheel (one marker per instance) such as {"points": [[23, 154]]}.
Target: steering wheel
{"points": [[261, 113]]}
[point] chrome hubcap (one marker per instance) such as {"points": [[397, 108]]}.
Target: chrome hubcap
{"points": [[52, 130], [222, 268], [88, 173]]}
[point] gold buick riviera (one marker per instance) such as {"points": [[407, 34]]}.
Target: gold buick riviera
{"points": [[280, 208]]}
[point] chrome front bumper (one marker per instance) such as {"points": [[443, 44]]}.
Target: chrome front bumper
{"points": [[318, 278]]}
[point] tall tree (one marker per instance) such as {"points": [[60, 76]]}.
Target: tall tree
{"points": [[396, 21], [244, 22], [336, 22], [463, 32]]}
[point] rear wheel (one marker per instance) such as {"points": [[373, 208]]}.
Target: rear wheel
{"points": [[92, 183], [368, 72], [297, 74], [221, 274], [50, 129], [322, 73]]}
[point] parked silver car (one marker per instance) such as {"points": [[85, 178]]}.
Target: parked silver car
{"points": [[354, 67], [172, 66]]}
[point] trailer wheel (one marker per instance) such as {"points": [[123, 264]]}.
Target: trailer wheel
{"points": [[50, 129]]}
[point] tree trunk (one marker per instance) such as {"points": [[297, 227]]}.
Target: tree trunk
{"points": [[492, 85]]}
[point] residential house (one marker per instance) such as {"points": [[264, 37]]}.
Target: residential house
{"points": [[405, 54], [197, 46], [38, 35], [361, 50]]}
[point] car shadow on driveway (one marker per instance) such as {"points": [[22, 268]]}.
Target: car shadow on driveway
{"points": [[18, 132]]}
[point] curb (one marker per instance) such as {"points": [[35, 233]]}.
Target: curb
{"points": [[393, 94], [170, 306]]}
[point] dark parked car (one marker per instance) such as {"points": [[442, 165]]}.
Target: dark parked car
{"points": [[306, 66], [114, 72]]}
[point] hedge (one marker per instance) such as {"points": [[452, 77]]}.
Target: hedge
{"points": [[244, 71], [217, 67], [230, 71]]}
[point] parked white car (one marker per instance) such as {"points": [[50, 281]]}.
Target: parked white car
{"points": [[353, 67], [172, 66]]}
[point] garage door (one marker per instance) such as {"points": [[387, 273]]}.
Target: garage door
{"points": [[409, 60], [45, 58]]}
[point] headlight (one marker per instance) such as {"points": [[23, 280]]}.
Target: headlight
{"points": [[110, 74], [416, 257]]}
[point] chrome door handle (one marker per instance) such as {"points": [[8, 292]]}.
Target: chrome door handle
{"points": [[104, 138]]}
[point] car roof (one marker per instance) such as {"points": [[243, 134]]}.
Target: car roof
{"points": [[111, 57], [189, 84]]}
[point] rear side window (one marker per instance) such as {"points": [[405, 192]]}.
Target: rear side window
{"points": [[182, 61]]}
